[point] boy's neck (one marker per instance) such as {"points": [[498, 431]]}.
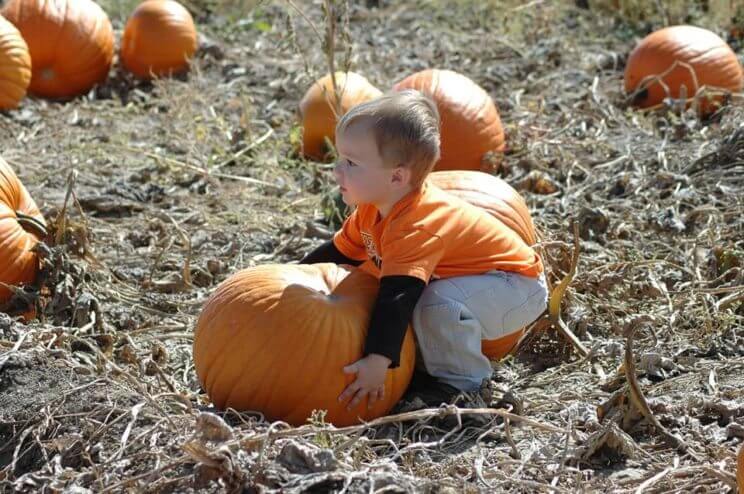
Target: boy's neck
{"points": [[385, 207]]}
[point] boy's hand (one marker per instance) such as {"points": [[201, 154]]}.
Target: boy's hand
{"points": [[370, 380]]}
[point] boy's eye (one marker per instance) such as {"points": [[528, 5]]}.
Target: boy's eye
{"points": [[351, 163]]}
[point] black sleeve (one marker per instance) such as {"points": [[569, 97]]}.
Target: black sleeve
{"points": [[327, 252], [391, 315]]}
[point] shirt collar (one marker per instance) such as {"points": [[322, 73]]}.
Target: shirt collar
{"points": [[408, 199]]}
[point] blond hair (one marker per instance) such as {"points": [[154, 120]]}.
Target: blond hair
{"points": [[405, 126]]}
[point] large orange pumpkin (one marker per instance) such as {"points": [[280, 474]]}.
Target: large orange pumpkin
{"points": [[16, 66], [470, 123], [318, 105], [503, 202], [18, 213], [159, 39], [660, 55], [275, 338], [71, 44]]}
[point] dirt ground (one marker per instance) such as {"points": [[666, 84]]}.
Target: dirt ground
{"points": [[149, 186]]}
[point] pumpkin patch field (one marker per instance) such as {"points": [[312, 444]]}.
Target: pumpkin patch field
{"points": [[165, 164]]}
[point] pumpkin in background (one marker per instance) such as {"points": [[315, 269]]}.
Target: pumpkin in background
{"points": [[275, 338], [71, 44], [19, 233], [159, 39], [470, 125], [713, 61], [317, 109], [16, 66], [504, 203]]}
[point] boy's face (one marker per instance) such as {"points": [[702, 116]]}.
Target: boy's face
{"points": [[361, 172]]}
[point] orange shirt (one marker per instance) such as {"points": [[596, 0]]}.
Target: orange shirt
{"points": [[430, 233]]}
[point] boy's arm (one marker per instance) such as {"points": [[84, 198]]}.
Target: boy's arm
{"points": [[391, 316], [328, 252]]}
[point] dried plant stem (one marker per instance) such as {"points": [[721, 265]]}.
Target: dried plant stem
{"points": [[636, 394], [556, 296], [32, 224], [62, 218], [403, 417]]}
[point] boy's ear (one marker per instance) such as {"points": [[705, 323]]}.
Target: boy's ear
{"points": [[401, 175]]}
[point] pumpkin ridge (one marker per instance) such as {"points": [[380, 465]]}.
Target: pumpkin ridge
{"points": [[701, 55], [10, 66], [15, 65], [204, 378], [14, 235], [57, 44], [92, 65], [261, 372], [273, 388], [20, 90], [215, 373], [326, 349], [18, 265], [291, 409], [211, 372], [77, 76]]}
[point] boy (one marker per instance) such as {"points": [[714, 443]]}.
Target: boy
{"points": [[456, 272]]}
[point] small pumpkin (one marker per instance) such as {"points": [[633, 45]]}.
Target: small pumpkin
{"points": [[658, 61], [275, 338], [317, 109], [470, 125], [15, 61], [504, 203], [71, 44], [159, 39], [19, 232]]}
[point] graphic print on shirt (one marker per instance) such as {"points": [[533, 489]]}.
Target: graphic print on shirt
{"points": [[369, 244]]}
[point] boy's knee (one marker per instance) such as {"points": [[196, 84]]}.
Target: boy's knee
{"points": [[535, 303]]}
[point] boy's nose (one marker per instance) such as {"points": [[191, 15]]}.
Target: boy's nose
{"points": [[337, 172]]}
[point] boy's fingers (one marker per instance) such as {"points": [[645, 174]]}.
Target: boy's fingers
{"points": [[351, 369], [376, 396], [357, 399], [349, 391], [373, 397]]}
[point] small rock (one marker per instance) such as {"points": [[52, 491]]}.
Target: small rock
{"points": [[592, 223], [303, 459], [212, 427], [207, 46], [538, 182]]}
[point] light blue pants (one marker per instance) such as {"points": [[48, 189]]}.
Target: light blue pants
{"points": [[453, 315]]}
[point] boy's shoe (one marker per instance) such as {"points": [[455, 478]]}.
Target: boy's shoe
{"points": [[426, 391], [429, 390]]}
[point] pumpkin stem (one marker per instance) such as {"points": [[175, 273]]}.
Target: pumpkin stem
{"points": [[639, 96], [31, 224]]}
